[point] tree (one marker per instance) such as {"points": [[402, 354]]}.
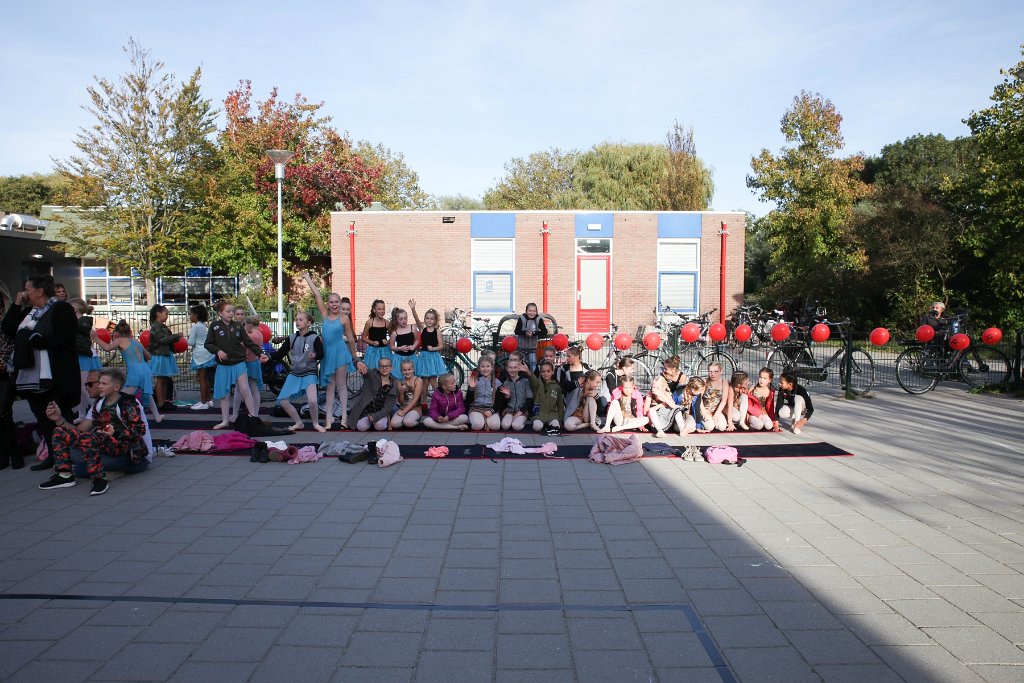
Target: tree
{"points": [[622, 177], [814, 193], [142, 169], [992, 201], [398, 187], [540, 181], [689, 185], [457, 202], [27, 194], [324, 173]]}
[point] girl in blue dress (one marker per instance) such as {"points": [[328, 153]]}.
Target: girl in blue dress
{"points": [[339, 352], [429, 364], [138, 375], [376, 331], [404, 341], [161, 351]]}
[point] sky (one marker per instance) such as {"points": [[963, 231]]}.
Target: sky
{"points": [[461, 87]]}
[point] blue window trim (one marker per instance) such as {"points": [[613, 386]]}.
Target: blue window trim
{"points": [[696, 288], [605, 220], [679, 225], [511, 290], [492, 225]]}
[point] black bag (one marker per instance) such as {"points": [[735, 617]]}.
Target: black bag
{"points": [[354, 457]]}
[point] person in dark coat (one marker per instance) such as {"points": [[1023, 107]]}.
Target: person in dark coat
{"points": [[44, 363], [10, 455]]}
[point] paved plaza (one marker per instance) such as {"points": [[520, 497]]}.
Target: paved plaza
{"points": [[904, 562]]}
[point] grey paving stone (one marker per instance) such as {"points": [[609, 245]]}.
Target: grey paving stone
{"points": [[924, 613], [406, 621], [534, 676], [14, 654], [443, 667], [461, 634], [764, 664], [307, 664], [746, 631], [975, 599], [607, 665], [230, 644], [144, 662], [222, 672], [837, 646], [856, 673], [531, 622], [458, 578], [925, 663], [977, 645], [1009, 625], [723, 603], [365, 650], [356, 674], [676, 650], [617, 632], [47, 624], [533, 591], [319, 630], [532, 651], [180, 627], [55, 671], [405, 590]]}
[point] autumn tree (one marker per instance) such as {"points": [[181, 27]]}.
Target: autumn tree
{"points": [[28, 193], [689, 184], [398, 187], [992, 202], [457, 202], [142, 168], [814, 192], [325, 174]]}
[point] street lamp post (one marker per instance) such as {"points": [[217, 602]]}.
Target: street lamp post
{"points": [[280, 157]]}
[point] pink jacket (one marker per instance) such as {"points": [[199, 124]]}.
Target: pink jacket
{"points": [[446, 405], [638, 399]]}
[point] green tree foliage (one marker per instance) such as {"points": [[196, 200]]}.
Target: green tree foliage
{"points": [[457, 202], [398, 187], [992, 201], [540, 181], [27, 194], [814, 192], [142, 168], [689, 185], [324, 173], [613, 176]]}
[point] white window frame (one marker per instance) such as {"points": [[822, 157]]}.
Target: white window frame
{"points": [[669, 269], [505, 266]]}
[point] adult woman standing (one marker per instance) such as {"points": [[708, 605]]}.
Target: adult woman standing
{"points": [[45, 362], [10, 454]]}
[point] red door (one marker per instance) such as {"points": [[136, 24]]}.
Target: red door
{"points": [[593, 293]]}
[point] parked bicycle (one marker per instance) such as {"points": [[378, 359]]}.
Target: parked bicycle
{"points": [[921, 367], [643, 373], [796, 355], [695, 357]]}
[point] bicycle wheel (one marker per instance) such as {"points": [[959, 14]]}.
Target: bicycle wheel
{"points": [[455, 368], [726, 360], [862, 372], [779, 362], [984, 366], [642, 374], [354, 383], [917, 371]]}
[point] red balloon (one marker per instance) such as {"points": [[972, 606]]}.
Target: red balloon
{"points": [[560, 341], [717, 332], [690, 332], [652, 341], [144, 339], [265, 331], [780, 332], [820, 332], [104, 335], [464, 345], [959, 341], [509, 344], [181, 346], [925, 334], [879, 336], [743, 333], [595, 341], [992, 335], [623, 341]]}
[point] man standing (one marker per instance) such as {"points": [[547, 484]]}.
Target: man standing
{"points": [[934, 319]]}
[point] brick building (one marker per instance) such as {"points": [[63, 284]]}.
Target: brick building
{"points": [[602, 267]]}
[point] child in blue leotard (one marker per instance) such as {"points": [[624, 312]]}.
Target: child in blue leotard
{"points": [[429, 364], [404, 340], [376, 331], [339, 352], [139, 376]]}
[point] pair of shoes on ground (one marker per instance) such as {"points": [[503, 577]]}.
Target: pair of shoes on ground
{"points": [[202, 406], [692, 454], [62, 481]]}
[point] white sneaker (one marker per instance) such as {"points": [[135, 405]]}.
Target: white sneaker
{"points": [[199, 406]]}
